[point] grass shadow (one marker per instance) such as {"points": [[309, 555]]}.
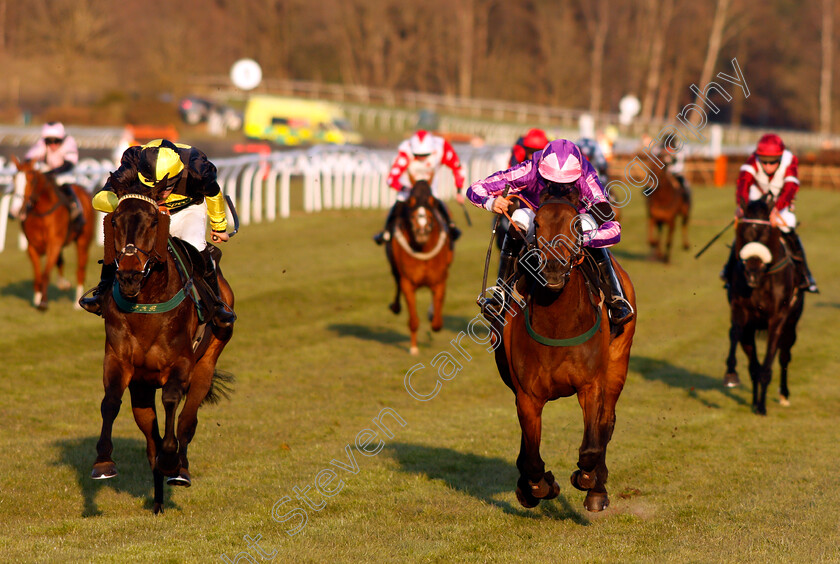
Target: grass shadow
{"points": [[678, 377], [827, 304], [478, 476], [135, 476], [368, 333], [22, 289], [631, 255]]}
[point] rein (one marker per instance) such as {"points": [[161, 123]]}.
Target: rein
{"points": [[521, 199]]}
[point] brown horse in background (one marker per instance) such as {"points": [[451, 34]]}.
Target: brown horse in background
{"points": [[46, 224], [665, 205], [420, 254], [557, 342], [151, 327], [763, 295]]}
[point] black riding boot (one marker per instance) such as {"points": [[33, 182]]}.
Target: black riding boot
{"points": [[685, 187], [511, 246], [76, 217], [393, 214], [454, 232], [798, 252], [726, 273], [619, 308], [221, 314], [93, 303]]}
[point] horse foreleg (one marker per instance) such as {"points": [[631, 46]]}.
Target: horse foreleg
{"points": [[438, 295], [143, 408], [765, 370], [395, 272], [598, 424], [731, 380], [168, 462], [534, 482], [413, 321], [785, 345], [82, 255], [38, 292], [115, 384], [686, 244], [53, 254], [669, 240], [653, 238]]}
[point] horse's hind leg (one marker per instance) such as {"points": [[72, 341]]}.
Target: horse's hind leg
{"points": [[534, 482], [669, 240], [598, 422], [200, 383], [143, 408], [653, 238], [686, 244], [82, 255], [62, 282], [104, 466]]}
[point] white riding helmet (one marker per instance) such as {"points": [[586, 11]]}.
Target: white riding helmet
{"points": [[53, 129], [421, 143]]}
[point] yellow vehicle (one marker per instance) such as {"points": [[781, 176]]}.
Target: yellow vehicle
{"points": [[292, 121]]}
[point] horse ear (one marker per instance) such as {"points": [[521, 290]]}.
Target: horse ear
{"points": [[412, 201], [17, 162]]}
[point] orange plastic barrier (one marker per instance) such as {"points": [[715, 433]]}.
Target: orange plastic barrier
{"points": [[720, 171]]}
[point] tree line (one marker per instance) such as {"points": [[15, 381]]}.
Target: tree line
{"points": [[583, 54]]}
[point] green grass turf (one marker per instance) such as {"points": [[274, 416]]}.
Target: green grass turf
{"points": [[695, 476]]}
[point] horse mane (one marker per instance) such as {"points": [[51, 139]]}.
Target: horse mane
{"points": [[421, 190], [758, 209], [566, 191]]}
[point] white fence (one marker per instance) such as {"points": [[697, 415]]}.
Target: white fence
{"points": [[332, 177]]}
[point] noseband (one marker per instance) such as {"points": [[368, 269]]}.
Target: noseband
{"points": [[130, 249]]}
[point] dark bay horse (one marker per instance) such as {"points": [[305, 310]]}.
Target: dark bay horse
{"points": [[667, 203], [557, 342], [763, 295], [150, 326], [420, 254], [46, 224]]}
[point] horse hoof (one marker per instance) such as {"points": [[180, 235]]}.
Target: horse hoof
{"points": [[414, 351], [759, 410], [596, 501], [553, 486], [182, 479], [42, 307], [784, 402], [103, 470], [731, 380], [158, 508], [168, 465], [525, 499], [584, 481], [395, 307], [63, 284]]}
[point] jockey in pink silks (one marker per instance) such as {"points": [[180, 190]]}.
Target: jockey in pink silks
{"points": [[559, 167]]}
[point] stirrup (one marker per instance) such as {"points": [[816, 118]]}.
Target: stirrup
{"points": [[91, 301], [454, 232], [622, 309], [223, 316]]}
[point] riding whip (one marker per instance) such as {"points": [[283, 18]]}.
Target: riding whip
{"points": [[715, 238], [469, 222], [234, 214]]}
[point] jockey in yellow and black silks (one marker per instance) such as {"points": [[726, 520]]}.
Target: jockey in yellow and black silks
{"points": [[192, 195]]}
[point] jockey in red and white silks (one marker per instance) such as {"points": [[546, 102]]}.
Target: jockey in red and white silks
{"points": [[774, 169], [559, 167], [419, 158]]}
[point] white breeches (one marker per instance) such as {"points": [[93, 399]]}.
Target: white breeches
{"points": [[190, 225]]}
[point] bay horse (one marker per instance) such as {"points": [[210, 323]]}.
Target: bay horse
{"points": [[45, 222], [763, 294], [557, 342], [667, 203], [420, 254], [151, 324]]}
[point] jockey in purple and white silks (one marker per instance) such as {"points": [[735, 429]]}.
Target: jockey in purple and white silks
{"points": [[560, 167]]}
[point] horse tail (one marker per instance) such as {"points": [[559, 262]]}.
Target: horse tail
{"points": [[221, 386]]}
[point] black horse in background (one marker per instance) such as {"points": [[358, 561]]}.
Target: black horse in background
{"points": [[763, 295]]}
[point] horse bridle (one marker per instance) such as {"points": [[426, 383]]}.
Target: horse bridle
{"points": [[130, 249], [577, 257]]}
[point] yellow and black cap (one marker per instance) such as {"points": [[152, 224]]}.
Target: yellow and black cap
{"points": [[159, 160]]}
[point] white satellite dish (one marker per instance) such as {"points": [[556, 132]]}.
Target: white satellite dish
{"points": [[246, 74]]}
